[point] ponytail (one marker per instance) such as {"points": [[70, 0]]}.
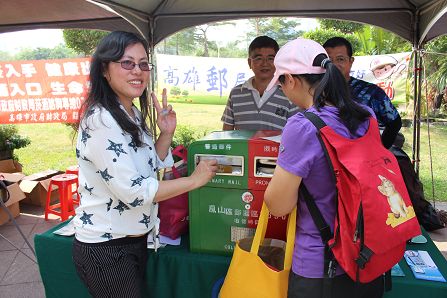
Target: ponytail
{"points": [[333, 89]]}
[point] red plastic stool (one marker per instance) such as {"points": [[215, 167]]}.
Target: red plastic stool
{"points": [[65, 183], [74, 170]]}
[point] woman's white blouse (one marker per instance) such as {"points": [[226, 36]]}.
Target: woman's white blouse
{"points": [[117, 180]]}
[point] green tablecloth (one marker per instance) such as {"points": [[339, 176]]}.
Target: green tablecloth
{"points": [[174, 272]]}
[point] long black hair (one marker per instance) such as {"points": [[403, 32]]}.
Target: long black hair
{"points": [[112, 48], [331, 87]]}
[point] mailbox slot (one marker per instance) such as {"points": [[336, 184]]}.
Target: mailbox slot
{"points": [[227, 165], [264, 166]]}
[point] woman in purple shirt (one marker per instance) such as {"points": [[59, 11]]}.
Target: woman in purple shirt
{"points": [[313, 83]]}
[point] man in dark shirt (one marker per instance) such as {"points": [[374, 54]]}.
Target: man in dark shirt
{"points": [[340, 51]]}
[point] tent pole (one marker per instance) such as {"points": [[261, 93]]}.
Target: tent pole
{"points": [[415, 120], [153, 77], [418, 132], [416, 110]]}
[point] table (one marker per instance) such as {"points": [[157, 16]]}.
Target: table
{"points": [[175, 272], [171, 272], [409, 287]]}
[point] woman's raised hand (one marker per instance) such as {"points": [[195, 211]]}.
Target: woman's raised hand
{"points": [[166, 117]]}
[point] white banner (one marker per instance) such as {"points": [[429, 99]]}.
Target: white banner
{"points": [[217, 76], [202, 75]]}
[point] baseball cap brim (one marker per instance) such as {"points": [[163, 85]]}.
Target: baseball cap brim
{"points": [[273, 82]]}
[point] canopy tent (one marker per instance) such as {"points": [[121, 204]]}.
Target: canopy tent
{"points": [[417, 21]]}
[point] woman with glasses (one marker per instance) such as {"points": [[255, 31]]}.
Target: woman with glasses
{"points": [[118, 162]]}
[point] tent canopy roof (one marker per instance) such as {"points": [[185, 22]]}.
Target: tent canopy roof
{"points": [[417, 21]]}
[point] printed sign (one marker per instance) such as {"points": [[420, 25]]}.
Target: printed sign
{"points": [[42, 91], [217, 76]]}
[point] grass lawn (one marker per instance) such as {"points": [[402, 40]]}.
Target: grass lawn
{"points": [[200, 99], [438, 140], [51, 145]]}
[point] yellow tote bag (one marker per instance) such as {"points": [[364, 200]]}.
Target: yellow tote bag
{"points": [[248, 275]]}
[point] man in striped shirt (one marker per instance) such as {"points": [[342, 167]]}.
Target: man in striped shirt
{"points": [[249, 106]]}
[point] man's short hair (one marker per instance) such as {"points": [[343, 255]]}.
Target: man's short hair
{"points": [[263, 42], [338, 42]]}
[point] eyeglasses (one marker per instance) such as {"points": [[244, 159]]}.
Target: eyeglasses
{"points": [[341, 59], [259, 60], [129, 65]]}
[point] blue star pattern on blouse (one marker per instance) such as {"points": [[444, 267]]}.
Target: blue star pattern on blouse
{"points": [[145, 220], [137, 181], [86, 159], [88, 189], [109, 204], [118, 148], [78, 153], [84, 136], [133, 145], [107, 235], [121, 207], [86, 218], [151, 164], [105, 175], [136, 202]]}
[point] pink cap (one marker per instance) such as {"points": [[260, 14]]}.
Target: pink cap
{"points": [[297, 57]]}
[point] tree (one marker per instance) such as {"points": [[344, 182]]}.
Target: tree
{"points": [[233, 50], [202, 38], [279, 28], [59, 52], [5, 56], [371, 40], [181, 43], [345, 27], [377, 41], [435, 62], [321, 35], [191, 41], [83, 41]]}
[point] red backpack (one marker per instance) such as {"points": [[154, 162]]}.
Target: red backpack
{"points": [[374, 216]]}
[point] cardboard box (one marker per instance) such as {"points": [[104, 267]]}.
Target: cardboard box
{"points": [[16, 195], [14, 209], [35, 188]]}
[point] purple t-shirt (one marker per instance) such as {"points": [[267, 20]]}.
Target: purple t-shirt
{"points": [[302, 155]]}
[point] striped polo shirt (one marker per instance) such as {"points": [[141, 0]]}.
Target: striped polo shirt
{"points": [[244, 112]]}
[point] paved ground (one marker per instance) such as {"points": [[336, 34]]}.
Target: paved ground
{"points": [[19, 276]]}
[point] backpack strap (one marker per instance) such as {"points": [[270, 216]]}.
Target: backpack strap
{"points": [[324, 229], [330, 263], [319, 124], [315, 119]]}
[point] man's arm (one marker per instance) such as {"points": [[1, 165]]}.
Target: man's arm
{"points": [[390, 132], [228, 115], [386, 114]]}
